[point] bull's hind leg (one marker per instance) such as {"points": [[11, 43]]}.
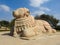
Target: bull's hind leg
{"points": [[48, 28], [53, 30]]}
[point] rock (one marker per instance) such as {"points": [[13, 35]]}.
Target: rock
{"points": [[27, 26]]}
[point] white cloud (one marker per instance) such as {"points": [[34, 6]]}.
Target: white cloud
{"points": [[41, 10], [45, 9], [5, 8], [38, 12], [5, 12], [37, 3]]}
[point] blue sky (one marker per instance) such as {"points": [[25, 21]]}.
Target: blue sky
{"points": [[51, 7]]}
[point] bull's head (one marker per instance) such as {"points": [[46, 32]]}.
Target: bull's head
{"points": [[21, 12]]}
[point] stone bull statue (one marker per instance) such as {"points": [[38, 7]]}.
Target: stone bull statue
{"points": [[26, 26]]}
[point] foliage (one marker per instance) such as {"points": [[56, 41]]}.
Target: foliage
{"points": [[7, 24], [57, 27], [4, 23], [53, 21]]}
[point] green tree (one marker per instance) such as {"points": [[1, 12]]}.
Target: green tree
{"points": [[53, 21], [4, 23]]}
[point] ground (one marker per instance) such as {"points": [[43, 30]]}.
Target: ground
{"points": [[54, 39]]}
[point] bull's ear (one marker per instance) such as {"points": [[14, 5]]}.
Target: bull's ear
{"points": [[28, 13], [14, 14]]}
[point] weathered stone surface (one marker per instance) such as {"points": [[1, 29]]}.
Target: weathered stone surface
{"points": [[27, 26]]}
